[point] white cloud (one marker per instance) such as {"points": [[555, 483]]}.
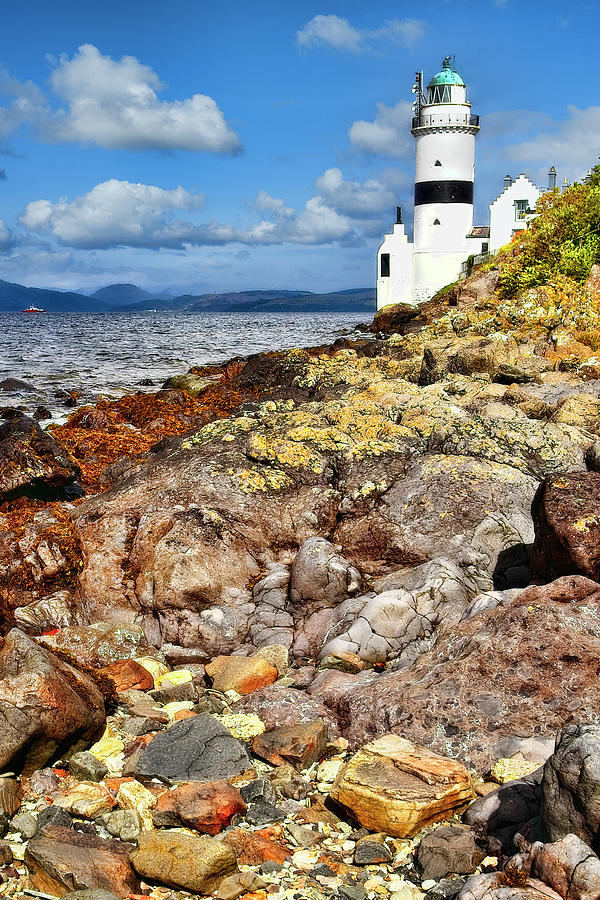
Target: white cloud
{"points": [[114, 213], [352, 198], [329, 31], [337, 33], [572, 145], [388, 134], [6, 238], [121, 214], [114, 104]]}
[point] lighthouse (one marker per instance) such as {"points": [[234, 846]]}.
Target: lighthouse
{"points": [[444, 131]]}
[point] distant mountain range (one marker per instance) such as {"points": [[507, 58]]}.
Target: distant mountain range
{"points": [[131, 298]]}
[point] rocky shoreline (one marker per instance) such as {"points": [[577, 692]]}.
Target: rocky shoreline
{"points": [[269, 627]]}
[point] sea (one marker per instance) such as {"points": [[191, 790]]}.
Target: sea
{"points": [[106, 355]]}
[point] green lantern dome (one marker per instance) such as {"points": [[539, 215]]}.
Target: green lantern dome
{"points": [[446, 76]]}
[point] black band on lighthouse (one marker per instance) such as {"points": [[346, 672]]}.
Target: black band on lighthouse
{"points": [[443, 192]]}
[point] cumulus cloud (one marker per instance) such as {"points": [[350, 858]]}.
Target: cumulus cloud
{"points": [[114, 104], [388, 134], [121, 214], [571, 145], [114, 213], [7, 239], [337, 33]]}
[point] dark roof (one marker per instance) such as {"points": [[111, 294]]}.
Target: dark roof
{"points": [[479, 231]]}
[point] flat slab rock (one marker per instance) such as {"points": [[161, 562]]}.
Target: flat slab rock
{"points": [[60, 860], [396, 787], [300, 745], [195, 749]]}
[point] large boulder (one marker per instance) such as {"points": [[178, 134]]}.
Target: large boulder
{"points": [[44, 701], [31, 461], [206, 807], [396, 787], [487, 678], [60, 860], [566, 515], [197, 864], [571, 785], [195, 749]]}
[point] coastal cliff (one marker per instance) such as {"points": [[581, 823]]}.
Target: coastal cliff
{"points": [[380, 556]]}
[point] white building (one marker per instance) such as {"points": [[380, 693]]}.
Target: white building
{"points": [[444, 237], [511, 211]]}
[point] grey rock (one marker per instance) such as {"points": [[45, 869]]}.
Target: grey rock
{"points": [[175, 692], [90, 894], [271, 622], [24, 824], [371, 852], [262, 813], [491, 887], [352, 892], [86, 767], [54, 815], [6, 854], [139, 725], [270, 867], [505, 811], [259, 789], [571, 785], [320, 576], [448, 850], [446, 889], [304, 837], [196, 749], [123, 823]]}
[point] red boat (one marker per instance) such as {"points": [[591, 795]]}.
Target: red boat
{"points": [[33, 309]]}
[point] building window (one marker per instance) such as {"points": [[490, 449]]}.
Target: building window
{"points": [[385, 265], [485, 247], [436, 221], [521, 209], [437, 163]]}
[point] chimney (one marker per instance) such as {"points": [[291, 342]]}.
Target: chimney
{"points": [[507, 181], [398, 215], [552, 179]]}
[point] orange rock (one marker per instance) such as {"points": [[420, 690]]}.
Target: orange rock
{"points": [[244, 674], [184, 714], [127, 674], [206, 807], [396, 787], [252, 849]]}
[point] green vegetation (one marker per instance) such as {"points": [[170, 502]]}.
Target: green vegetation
{"points": [[560, 246]]}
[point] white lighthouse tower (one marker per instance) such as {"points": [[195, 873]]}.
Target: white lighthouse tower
{"points": [[444, 131]]}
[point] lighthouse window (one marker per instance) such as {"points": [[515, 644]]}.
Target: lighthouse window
{"points": [[439, 94], [385, 265], [437, 163], [436, 221]]}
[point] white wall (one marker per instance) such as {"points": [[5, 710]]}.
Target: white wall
{"points": [[434, 271], [503, 223], [397, 288], [455, 150]]}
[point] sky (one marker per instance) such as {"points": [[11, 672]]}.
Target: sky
{"points": [[200, 146]]}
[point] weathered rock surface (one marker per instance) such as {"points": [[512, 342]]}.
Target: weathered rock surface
{"points": [[59, 860], [240, 673], [206, 807], [448, 850], [571, 785], [127, 674], [566, 514], [300, 745], [195, 749], [279, 706], [196, 864], [43, 700], [31, 460], [503, 813], [396, 787], [489, 677]]}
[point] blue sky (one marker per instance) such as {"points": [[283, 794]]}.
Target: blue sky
{"points": [[204, 146]]}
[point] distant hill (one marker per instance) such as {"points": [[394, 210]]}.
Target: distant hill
{"points": [[355, 300], [15, 297], [131, 298], [123, 294]]}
